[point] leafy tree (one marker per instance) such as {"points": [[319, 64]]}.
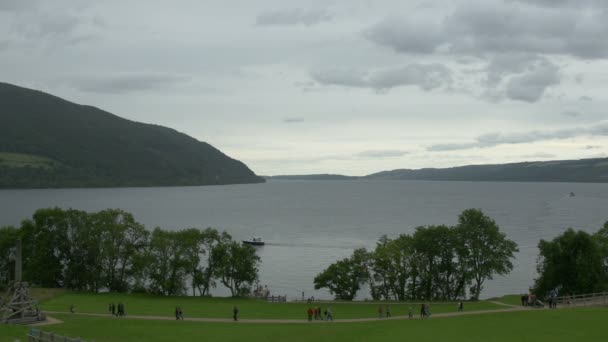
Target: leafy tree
{"points": [[167, 262], [486, 251], [46, 247], [394, 268], [235, 265], [441, 265], [122, 240], [203, 278], [572, 262], [344, 277]]}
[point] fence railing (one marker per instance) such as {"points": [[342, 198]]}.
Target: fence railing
{"points": [[276, 299], [37, 335], [589, 299]]}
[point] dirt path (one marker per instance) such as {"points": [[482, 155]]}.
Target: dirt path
{"points": [[49, 321], [296, 321]]}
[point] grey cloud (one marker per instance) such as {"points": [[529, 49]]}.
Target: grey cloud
{"points": [[293, 120], [564, 3], [531, 86], [425, 76], [17, 5], [591, 147], [126, 83], [46, 25], [502, 65], [292, 17], [382, 154], [495, 139], [571, 113], [480, 27], [408, 34]]}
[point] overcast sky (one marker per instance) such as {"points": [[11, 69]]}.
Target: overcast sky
{"points": [[350, 87]]}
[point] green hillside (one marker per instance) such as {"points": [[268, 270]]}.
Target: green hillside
{"points": [[49, 142]]}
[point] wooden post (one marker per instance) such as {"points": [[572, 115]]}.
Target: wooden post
{"points": [[18, 266]]}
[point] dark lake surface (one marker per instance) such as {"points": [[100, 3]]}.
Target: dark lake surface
{"points": [[309, 224]]}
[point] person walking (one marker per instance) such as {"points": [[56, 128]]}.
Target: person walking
{"points": [[310, 312], [181, 313], [329, 316], [422, 310], [410, 312], [176, 313], [235, 313], [113, 309], [380, 311], [388, 311], [460, 306]]}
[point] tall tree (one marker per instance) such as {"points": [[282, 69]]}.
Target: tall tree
{"points": [[572, 262], [485, 249], [394, 268], [235, 265], [344, 277], [167, 262], [122, 241]]}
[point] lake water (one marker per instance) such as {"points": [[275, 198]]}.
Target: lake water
{"points": [[309, 224]]}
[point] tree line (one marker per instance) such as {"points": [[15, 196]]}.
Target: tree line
{"points": [[433, 263], [110, 251], [574, 262]]}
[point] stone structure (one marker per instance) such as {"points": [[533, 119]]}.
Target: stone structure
{"points": [[17, 306]]}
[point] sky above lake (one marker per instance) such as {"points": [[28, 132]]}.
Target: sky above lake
{"points": [[350, 87]]}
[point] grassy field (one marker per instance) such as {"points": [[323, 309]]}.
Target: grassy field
{"points": [[21, 160], [222, 307], [564, 325]]}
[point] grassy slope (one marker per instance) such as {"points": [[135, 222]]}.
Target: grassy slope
{"points": [[23, 160], [222, 307], [586, 324]]}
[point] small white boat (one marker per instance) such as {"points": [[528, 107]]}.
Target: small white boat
{"points": [[255, 241]]}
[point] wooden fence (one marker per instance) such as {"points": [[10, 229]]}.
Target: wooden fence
{"points": [[37, 335], [276, 299]]}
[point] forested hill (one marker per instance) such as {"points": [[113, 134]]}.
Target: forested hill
{"points": [[47, 142], [584, 170]]}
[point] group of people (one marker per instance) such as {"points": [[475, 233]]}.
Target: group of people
{"points": [[425, 310], [117, 310], [315, 313], [387, 311], [533, 301], [179, 313]]}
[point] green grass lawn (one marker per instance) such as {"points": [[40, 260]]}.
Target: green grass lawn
{"points": [[21, 160], [508, 299], [222, 307], [564, 325]]}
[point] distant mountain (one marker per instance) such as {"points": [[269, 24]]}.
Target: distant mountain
{"points": [[46, 141], [311, 177], [584, 170]]}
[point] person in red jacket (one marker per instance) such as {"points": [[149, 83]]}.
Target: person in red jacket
{"points": [[309, 314]]}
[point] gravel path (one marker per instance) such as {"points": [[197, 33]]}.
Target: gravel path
{"points": [[296, 321]]}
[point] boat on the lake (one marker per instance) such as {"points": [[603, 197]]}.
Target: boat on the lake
{"points": [[572, 194], [255, 241]]}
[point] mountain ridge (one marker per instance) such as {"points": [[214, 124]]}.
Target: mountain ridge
{"points": [[90, 147], [592, 170]]}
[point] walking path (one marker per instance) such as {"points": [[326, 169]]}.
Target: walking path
{"points": [[299, 321]]}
